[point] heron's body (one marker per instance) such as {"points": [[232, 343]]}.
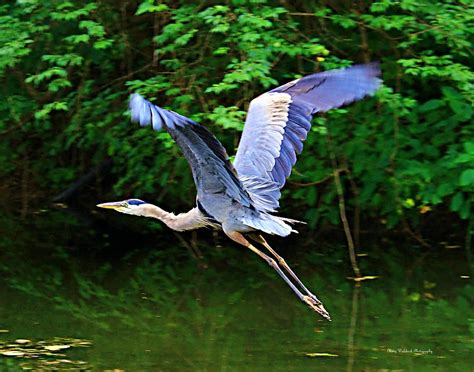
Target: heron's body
{"points": [[241, 198], [221, 196]]}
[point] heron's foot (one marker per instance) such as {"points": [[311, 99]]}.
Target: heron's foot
{"points": [[314, 298], [317, 306]]}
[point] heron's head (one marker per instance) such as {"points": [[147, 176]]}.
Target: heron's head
{"points": [[129, 206]]}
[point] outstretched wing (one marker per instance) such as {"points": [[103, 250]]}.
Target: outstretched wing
{"points": [[209, 162], [278, 122]]}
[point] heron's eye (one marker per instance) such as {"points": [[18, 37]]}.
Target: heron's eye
{"points": [[124, 204]]}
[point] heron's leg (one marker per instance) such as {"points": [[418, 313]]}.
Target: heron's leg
{"points": [[315, 305], [283, 264]]}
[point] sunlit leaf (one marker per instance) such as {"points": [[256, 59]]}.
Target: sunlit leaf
{"points": [[316, 355], [14, 353], [362, 278], [22, 341], [57, 347]]}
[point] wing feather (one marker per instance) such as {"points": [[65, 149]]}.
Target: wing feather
{"points": [[279, 121], [207, 157]]}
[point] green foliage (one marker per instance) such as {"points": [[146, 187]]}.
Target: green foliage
{"points": [[67, 69]]}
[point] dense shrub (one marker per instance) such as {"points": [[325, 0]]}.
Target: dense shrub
{"points": [[67, 68]]}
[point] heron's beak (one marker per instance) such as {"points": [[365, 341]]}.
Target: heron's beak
{"points": [[112, 205]]}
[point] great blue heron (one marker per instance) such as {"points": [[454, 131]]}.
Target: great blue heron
{"points": [[240, 198]]}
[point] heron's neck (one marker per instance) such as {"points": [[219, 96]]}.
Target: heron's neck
{"points": [[184, 221]]}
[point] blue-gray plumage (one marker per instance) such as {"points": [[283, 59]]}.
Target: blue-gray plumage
{"points": [[239, 198], [286, 113]]}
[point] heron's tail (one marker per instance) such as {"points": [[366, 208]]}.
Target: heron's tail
{"points": [[273, 225]]}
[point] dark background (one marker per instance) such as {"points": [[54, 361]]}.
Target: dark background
{"points": [[405, 158]]}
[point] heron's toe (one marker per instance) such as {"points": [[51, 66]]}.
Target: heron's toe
{"points": [[317, 306]]}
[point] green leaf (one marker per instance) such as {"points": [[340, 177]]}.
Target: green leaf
{"points": [[77, 39], [58, 84], [457, 201], [221, 51], [103, 44], [467, 178], [431, 105], [469, 147], [148, 7]]}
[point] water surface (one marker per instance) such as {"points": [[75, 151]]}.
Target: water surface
{"points": [[146, 304]]}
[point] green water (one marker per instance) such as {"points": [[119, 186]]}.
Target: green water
{"points": [[146, 304]]}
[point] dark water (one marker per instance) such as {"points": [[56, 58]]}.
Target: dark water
{"points": [[146, 304]]}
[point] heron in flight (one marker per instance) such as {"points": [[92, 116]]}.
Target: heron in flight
{"points": [[241, 198]]}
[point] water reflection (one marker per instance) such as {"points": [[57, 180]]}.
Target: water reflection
{"points": [[352, 328], [40, 355], [147, 304]]}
